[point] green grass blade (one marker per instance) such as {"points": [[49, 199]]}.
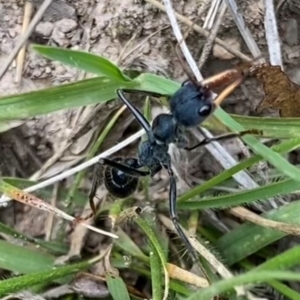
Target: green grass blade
{"points": [[16, 284], [156, 275], [52, 246], [85, 61], [117, 288], [146, 226], [125, 243], [158, 84], [283, 147], [284, 290], [84, 92], [285, 260], [23, 260], [273, 127], [247, 239], [271, 190], [272, 157], [220, 287]]}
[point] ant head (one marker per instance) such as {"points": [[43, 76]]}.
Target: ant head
{"points": [[191, 104]]}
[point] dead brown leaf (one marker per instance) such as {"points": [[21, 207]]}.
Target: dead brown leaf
{"points": [[280, 92]]}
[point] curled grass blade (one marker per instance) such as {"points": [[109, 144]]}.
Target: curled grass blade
{"points": [[247, 239], [81, 93], [85, 61]]}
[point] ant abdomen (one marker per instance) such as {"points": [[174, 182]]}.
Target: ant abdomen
{"points": [[118, 183]]}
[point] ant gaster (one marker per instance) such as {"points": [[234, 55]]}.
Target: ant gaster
{"points": [[189, 107]]}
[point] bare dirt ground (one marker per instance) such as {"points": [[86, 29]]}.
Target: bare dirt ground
{"points": [[140, 32]]}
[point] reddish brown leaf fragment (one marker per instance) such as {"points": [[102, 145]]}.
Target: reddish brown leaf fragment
{"points": [[280, 92]]}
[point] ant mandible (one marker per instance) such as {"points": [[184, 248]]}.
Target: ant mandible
{"points": [[189, 107]]}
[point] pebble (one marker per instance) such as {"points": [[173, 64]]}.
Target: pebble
{"points": [[45, 28], [66, 25], [291, 32], [220, 52]]}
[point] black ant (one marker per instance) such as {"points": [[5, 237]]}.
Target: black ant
{"points": [[189, 106]]}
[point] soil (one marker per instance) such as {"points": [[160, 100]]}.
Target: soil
{"points": [[105, 28]]}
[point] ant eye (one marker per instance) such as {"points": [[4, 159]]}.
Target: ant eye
{"points": [[205, 110]]}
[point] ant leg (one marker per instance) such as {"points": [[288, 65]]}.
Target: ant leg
{"points": [[97, 180], [173, 212], [125, 169], [225, 136]]}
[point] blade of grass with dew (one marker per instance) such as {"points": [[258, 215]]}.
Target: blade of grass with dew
{"points": [[248, 238], [16, 284], [21, 259], [84, 61], [80, 93], [53, 247], [117, 288], [222, 286], [143, 224], [152, 84], [283, 147], [91, 153], [282, 187]]}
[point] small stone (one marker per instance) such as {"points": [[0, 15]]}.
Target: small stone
{"points": [[220, 52], [44, 28], [48, 70], [59, 37], [291, 32], [146, 48], [12, 33], [66, 25]]}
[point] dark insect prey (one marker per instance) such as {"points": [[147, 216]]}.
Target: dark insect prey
{"points": [[189, 107]]}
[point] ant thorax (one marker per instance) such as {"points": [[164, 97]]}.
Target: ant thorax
{"points": [[165, 129], [153, 155], [191, 104]]}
